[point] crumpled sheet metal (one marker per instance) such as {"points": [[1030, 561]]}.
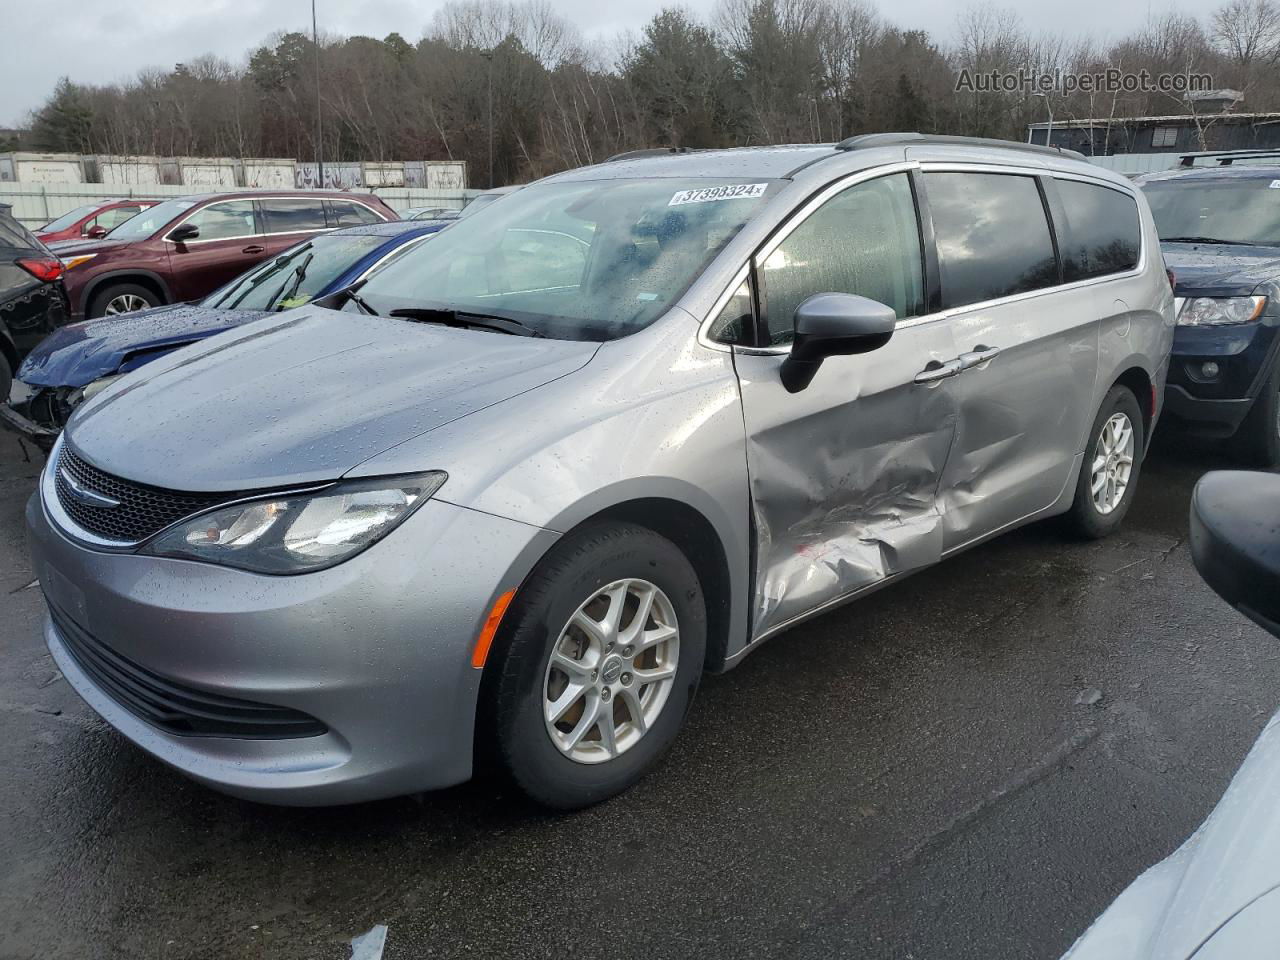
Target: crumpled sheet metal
{"points": [[860, 514]]}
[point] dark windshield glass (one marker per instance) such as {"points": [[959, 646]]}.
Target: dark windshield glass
{"points": [[1232, 211], [67, 219], [276, 285], [150, 220], [585, 260]]}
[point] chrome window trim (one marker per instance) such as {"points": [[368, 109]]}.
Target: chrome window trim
{"points": [[248, 236], [927, 166], [401, 249]]}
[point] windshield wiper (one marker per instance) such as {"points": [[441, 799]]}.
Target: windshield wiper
{"points": [[462, 318], [299, 272], [335, 299], [266, 274], [1233, 243]]}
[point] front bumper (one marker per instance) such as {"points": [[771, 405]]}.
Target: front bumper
{"points": [[15, 415], [1216, 405], [377, 649]]}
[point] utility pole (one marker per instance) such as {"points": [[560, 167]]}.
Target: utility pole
{"points": [[315, 42], [1048, 104], [488, 55]]}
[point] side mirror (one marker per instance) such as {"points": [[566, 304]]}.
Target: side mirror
{"points": [[830, 325], [1235, 541], [96, 232], [188, 231]]}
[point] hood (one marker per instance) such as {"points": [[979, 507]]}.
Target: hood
{"points": [[67, 248], [1220, 270], [79, 353], [303, 397], [1204, 890]]}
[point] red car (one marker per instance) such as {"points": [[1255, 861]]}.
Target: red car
{"points": [[184, 248], [93, 220]]}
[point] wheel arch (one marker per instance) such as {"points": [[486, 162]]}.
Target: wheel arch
{"points": [[146, 278], [1139, 382]]}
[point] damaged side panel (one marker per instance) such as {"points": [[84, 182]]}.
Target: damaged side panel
{"points": [[844, 475]]}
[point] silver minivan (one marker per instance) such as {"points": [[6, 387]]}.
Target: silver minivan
{"points": [[510, 496]]}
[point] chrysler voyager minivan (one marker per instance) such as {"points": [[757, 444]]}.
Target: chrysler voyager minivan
{"points": [[513, 493]]}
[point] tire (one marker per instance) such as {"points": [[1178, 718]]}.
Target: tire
{"points": [[1257, 439], [520, 681], [1088, 518], [110, 300], [6, 378]]}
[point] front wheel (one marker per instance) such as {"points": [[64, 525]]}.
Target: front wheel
{"points": [[122, 298], [1109, 474], [597, 665]]}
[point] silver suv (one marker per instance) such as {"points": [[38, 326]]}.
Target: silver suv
{"points": [[515, 492]]}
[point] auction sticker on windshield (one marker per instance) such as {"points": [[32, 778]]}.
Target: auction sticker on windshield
{"points": [[736, 191]]}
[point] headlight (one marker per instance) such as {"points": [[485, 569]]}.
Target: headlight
{"points": [[69, 262], [300, 532], [1215, 311], [91, 390]]}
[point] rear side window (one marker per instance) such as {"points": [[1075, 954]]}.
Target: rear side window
{"points": [[992, 235], [225, 220], [14, 234], [1101, 234], [293, 216], [864, 240], [348, 213]]}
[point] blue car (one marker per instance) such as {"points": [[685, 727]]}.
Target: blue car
{"points": [[1220, 235], [76, 361]]}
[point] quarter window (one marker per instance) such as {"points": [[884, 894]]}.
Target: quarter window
{"points": [[1101, 235], [992, 236], [734, 323], [225, 220], [347, 213], [293, 216], [864, 240]]}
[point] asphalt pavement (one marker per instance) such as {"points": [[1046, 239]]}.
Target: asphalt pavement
{"points": [[970, 764]]}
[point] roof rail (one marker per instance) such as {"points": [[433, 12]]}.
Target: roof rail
{"points": [[651, 152], [1223, 158], [868, 140]]}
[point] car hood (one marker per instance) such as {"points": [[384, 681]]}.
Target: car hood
{"points": [[1204, 891], [79, 353], [303, 397], [1218, 270], [66, 248]]}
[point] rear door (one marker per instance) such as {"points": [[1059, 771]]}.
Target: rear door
{"points": [[288, 220], [229, 244], [844, 474], [1028, 346]]}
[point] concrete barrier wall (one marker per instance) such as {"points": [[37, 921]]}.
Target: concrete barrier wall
{"points": [[35, 204]]}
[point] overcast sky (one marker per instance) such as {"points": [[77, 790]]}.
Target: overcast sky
{"points": [[96, 42]]}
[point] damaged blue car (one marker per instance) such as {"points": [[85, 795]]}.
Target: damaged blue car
{"points": [[81, 359]]}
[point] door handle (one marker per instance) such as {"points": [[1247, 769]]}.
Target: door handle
{"points": [[978, 356], [254, 248], [935, 370]]}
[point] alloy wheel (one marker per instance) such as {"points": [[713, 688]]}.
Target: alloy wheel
{"points": [[611, 671], [1112, 463], [125, 303]]}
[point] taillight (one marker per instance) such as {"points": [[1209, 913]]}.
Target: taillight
{"points": [[47, 270]]}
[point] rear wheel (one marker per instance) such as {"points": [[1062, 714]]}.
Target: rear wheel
{"points": [[1257, 441], [597, 665], [1109, 474], [122, 298]]}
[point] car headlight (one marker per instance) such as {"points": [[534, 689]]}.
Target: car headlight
{"points": [[70, 262], [1215, 311], [297, 533]]}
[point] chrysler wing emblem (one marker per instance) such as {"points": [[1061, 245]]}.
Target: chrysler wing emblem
{"points": [[90, 498]]}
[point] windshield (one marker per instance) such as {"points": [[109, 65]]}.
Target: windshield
{"points": [[150, 220], [67, 219], [296, 276], [1229, 211], [584, 260]]}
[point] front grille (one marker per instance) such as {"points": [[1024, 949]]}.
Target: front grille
{"points": [[142, 510], [174, 707]]}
